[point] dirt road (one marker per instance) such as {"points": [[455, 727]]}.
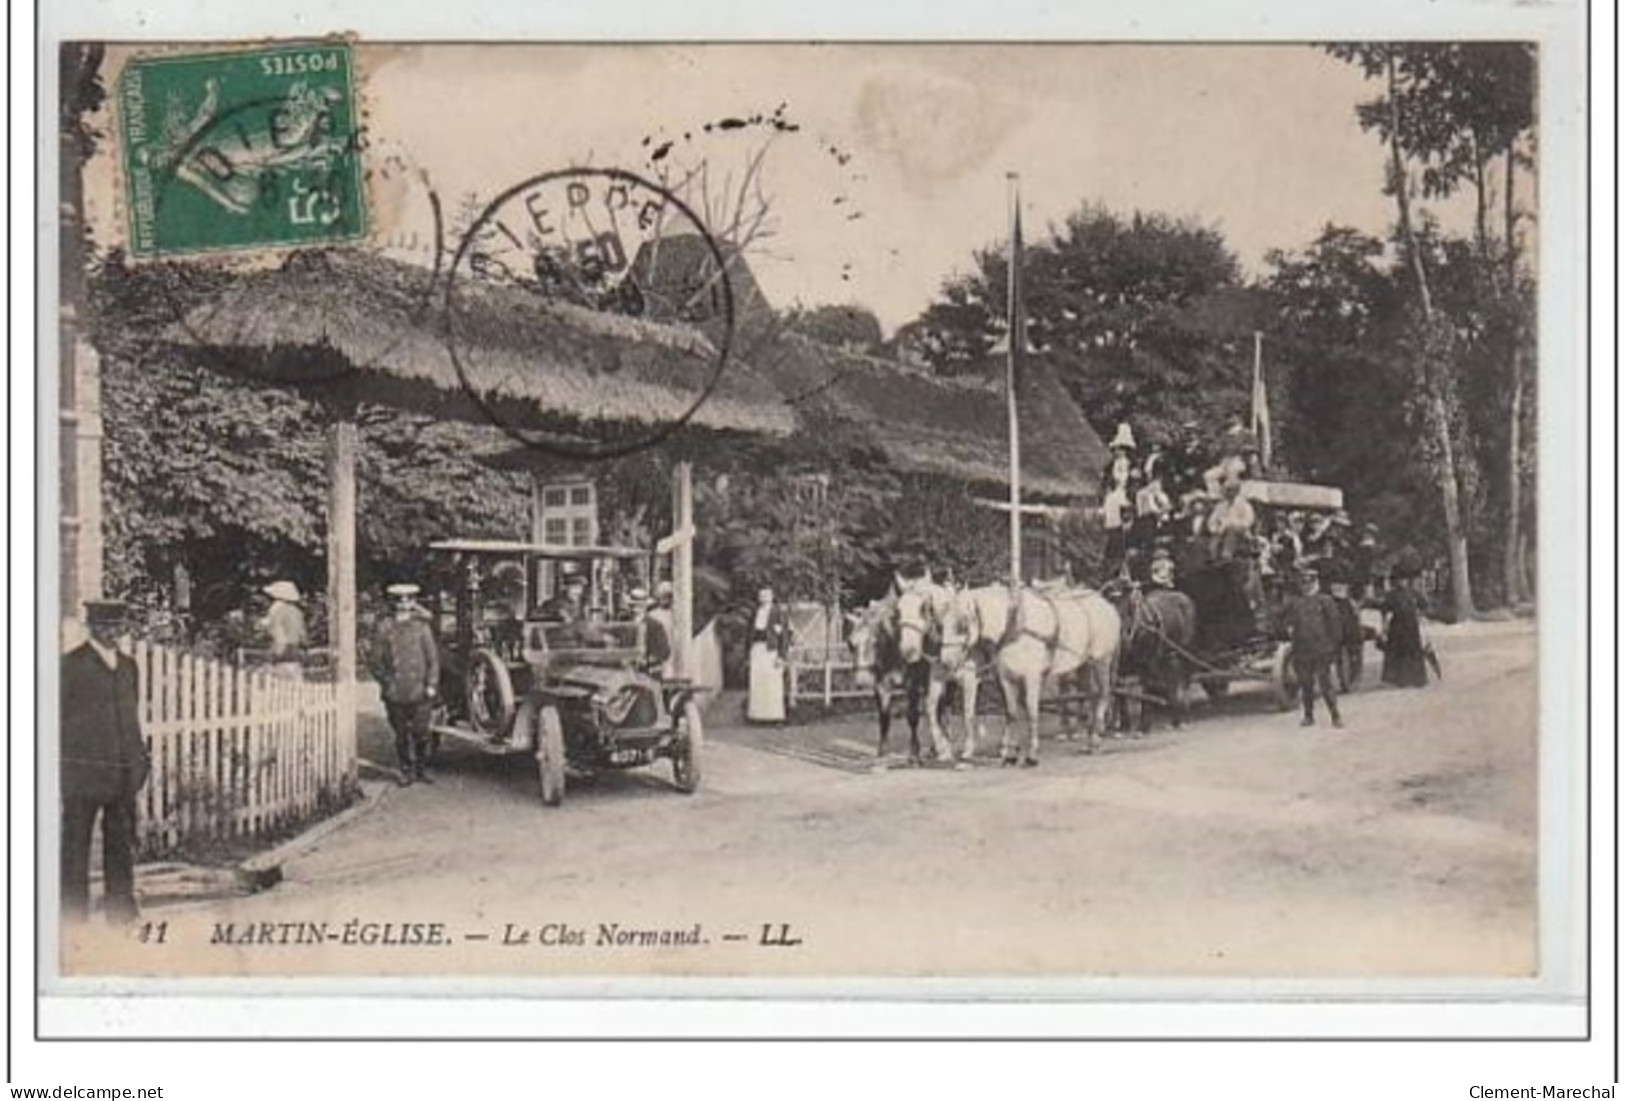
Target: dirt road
{"points": [[1244, 845]]}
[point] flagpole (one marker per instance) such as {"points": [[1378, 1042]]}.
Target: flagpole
{"points": [[1261, 415], [1017, 337]]}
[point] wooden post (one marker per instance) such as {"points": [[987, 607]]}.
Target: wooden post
{"points": [[682, 567], [341, 580], [81, 454]]}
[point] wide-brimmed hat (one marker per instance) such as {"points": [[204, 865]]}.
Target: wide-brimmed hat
{"points": [[664, 591], [638, 595], [282, 590], [106, 612], [1124, 437], [403, 591]]}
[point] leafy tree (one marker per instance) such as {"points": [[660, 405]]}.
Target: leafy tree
{"points": [[1341, 410], [227, 476], [1114, 304], [1450, 110], [853, 327]]}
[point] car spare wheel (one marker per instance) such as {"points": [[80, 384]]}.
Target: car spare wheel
{"points": [[490, 695]]}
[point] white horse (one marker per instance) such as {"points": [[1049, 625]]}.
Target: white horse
{"points": [[1055, 635], [937, 625]]}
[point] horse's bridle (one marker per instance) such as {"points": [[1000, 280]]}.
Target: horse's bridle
{"points": [[928, 617]]}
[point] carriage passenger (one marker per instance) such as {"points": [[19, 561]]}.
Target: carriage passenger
{"points": [[1152, 508], [1184, 463], [1232, 523], [1118, 511], [1120, 471], [1162, 572]]}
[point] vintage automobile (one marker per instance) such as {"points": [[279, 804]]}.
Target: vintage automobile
{"points": [[542, 656]]}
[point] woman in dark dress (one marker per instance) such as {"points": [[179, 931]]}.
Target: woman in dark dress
{"points": [[1404, 663]]}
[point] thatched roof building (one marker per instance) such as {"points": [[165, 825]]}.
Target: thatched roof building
{"points": [[528, 357], [956, 428], [570, 369]]}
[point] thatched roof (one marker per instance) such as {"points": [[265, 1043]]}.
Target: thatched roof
{"points": [[561, 363], [517, 349], [954, 427]]}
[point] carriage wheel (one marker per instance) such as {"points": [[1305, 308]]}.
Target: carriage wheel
{"points": [[1133, 712], [1282, 680], [490, 695], [550, 756], [685, 758]]}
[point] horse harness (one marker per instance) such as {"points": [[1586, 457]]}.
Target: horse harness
{"points": [[1017, 624]]}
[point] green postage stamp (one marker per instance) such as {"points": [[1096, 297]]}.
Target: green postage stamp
{"points": [[243, 149]]}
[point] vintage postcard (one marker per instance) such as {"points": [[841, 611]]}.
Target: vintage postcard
{"points": [[1053, 516]]}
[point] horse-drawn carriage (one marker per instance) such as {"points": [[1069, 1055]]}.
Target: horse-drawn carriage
{"points": [[1237, 634], [543, 656]]}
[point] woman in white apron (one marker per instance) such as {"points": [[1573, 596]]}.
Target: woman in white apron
{"points": [[769, 639]]}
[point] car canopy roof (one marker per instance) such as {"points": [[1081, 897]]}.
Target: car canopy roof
{"points": [[1301, 495]]}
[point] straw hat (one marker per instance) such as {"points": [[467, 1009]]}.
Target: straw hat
{"points": [[1124, 437], [282, 590]]}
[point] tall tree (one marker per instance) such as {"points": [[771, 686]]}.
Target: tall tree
{"points": [[1340, 404], [1112, 305], [1452, 110]]}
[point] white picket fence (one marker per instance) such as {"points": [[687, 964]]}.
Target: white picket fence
{"points": [[237, 754]]}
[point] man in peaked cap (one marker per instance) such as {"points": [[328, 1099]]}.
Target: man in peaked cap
{"points": [[406, 664], [1314, 625], [105, 763], [655, 632]]}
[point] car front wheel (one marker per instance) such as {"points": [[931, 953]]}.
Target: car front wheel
{"points": [[550, 756], [685, 758]]}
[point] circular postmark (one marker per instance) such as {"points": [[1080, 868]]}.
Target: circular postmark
{"points": [[588, 312]]}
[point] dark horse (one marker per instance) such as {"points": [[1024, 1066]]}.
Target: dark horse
{"points": [[1159, 627], [874, 636]]}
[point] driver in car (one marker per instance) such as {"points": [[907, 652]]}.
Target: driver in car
{"points": [[574, 631]]}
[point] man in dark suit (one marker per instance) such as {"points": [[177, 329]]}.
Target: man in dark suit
{"points": [[1314, 624], [104, 764], [406, 664]]}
